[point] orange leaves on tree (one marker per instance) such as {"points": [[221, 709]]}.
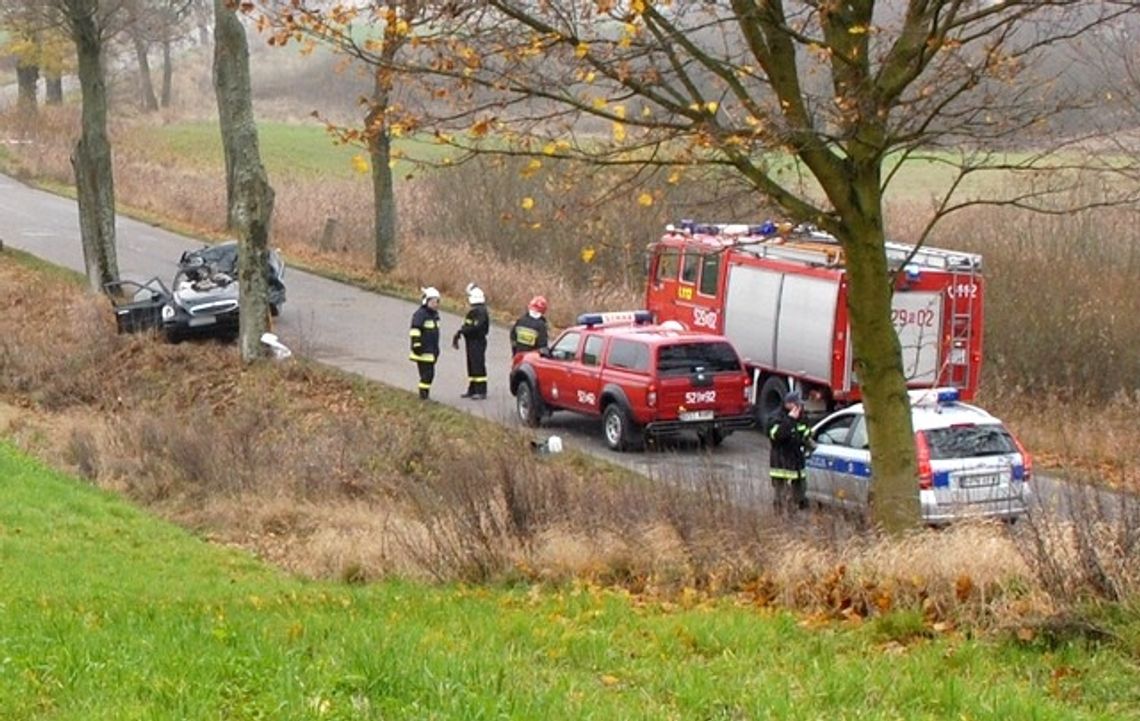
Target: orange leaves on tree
{"points": [[527, 203], [588, 254], [645, 200], [360, 164], [533, 166]]}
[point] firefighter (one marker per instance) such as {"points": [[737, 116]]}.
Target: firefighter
{"points": [[476, 325], [530, 331], [791, 443], [425, 339]]}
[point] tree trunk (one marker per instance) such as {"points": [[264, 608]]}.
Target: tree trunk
{"points": [[27, 75], [878, 360], [94, 176], [147, 99], [249, 197], [167, 73], [53, 88], [383, 190]]}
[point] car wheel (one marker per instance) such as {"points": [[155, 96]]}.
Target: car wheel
{"points": [[528, 404], [618, 428], [770, 400], [711, 438]]}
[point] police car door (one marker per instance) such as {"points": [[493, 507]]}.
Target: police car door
{"points": [[831, 467]]}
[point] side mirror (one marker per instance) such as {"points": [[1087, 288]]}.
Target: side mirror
{"points": [[544, 352]]}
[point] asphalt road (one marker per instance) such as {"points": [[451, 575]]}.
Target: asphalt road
{"points": [[365, 333]]}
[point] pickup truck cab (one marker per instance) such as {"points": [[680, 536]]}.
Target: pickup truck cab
{"points": [[640, 380]]}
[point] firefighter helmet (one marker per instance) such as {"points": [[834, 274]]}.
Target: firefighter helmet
{"points": [[427, 294], [475, 294]]}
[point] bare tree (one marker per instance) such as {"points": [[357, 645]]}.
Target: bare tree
{"points": [[249, 197], [374, 33], [90, 24]]}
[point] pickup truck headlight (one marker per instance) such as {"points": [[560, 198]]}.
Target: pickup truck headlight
{"points": [[167, 312]]}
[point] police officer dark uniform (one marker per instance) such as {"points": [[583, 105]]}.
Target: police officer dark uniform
{"points": [[425, 339], [476, 325], [530, 331], [791, 441]]}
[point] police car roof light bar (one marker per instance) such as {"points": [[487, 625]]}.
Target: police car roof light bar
{"points": [[632, 317], [934, 396]]}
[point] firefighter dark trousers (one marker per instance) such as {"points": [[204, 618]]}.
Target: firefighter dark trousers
{"points": [[477, 367], [427, 375], [789, 494]]}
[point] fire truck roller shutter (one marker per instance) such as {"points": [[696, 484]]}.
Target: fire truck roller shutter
{"points": [[751, 308], [806, 331], [918, 322]]}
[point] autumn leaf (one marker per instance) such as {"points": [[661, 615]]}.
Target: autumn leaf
{"points": [[527, 203], [645, 200], [581, 50], [588, 254], [608, 680], [360, 163], [619, 132]]}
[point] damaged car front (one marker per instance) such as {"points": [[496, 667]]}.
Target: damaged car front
{"points": [[203, 299]]}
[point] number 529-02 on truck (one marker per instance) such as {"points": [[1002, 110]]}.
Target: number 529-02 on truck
{"points": [[779, 293]]}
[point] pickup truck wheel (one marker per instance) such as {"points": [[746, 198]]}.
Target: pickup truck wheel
{"points": [[770, 400], [618, 428], [527, 403]]}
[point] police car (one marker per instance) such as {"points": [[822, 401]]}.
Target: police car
{"points": [[969, 464]]}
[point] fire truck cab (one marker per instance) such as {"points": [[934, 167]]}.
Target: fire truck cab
{"points": [[779, 293]]}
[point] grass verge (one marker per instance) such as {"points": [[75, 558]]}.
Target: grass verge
{"points": [[109, 614]]}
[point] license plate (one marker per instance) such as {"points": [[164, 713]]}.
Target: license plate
{"points": [[204, 320], [697, 415], [980, 481]]}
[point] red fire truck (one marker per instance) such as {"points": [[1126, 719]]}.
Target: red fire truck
{"points": [[779, 293]]}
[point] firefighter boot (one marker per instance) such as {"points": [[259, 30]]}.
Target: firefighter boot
{"points": [[424, 393]]}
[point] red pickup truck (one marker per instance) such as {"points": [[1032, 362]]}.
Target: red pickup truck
{"points": [[641, 380]]}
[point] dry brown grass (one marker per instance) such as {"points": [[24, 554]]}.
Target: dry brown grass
{"points": [[331, 478]]}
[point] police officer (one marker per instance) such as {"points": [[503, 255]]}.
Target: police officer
{"points": [[425, 339], [476, 325], [791, 442], [530, 331]]}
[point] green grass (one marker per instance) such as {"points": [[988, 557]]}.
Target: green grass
{"points": [[106, 613], [288, 150]]}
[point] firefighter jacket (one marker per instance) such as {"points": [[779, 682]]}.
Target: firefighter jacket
{"points": [[791, 443], [476, 324], [425, 335], [528, 333]]}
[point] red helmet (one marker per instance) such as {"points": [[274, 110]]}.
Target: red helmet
{"points": [[537, 304]]}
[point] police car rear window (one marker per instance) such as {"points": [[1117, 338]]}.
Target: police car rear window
{"points": [[629, 354], [683, 358], [969, 441]]}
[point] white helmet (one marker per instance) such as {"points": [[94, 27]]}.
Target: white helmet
{"points": [[475, 294], [427, 294]]}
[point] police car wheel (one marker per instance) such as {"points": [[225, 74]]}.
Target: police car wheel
{"points": [[526, 403]]}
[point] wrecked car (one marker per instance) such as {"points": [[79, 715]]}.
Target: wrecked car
{"points": [[202, 300]]}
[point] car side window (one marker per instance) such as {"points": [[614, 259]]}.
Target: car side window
{"points": [[629, 354], [690, 266], [566, 348], [710, 274], [592, 351], [667, 264], [836, 431], [859, 438]]}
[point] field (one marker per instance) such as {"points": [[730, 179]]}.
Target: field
{"points": [[159, 625]]}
